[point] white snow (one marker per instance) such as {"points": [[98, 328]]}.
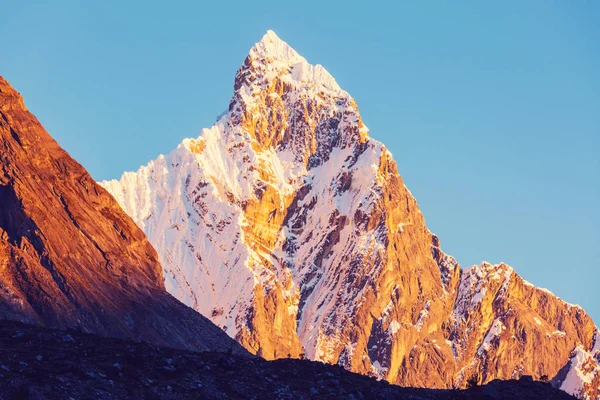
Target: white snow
{"points": [[386, 310], [379, 371], [595, 351], [394, 327], [493, 333], [423, 315], [277, 55], [475, 283], [583, 369]]}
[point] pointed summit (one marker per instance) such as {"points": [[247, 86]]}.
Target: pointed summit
{"points": [[272, 46], [272, 58]]}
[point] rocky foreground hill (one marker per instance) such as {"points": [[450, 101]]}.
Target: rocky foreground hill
{"points": [[40, 364], [290, 228]]}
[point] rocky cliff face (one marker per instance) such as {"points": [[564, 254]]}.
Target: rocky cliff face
{"points": [[291, 228], [70, 257]]}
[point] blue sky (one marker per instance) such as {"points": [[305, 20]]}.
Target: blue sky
{"points": [[492, 111]]}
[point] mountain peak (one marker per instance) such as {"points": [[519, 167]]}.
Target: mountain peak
{"points": [[272, 46], [272, 57]]}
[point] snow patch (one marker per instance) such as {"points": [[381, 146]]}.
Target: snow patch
{"points": [[394, 327], [583, 369], [492, 334]]}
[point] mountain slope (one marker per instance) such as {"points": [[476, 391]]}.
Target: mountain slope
{"points": [[70, 257], [299, 229], [88, 366]]}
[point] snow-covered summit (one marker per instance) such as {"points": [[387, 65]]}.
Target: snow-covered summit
{"points": [[272, 46], [274, 57]]}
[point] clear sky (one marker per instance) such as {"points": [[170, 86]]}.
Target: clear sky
{"points": [[491, 109]]}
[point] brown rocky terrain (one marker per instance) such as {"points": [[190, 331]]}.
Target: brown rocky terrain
{"points": [[297, 226], [40, 364], [70, 257]]}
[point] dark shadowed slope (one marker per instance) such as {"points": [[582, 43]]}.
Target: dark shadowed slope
{"points": [[89, 367], [70, 257]]}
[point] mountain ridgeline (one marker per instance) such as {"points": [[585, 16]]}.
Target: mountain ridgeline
{"points": [[292, 230]]}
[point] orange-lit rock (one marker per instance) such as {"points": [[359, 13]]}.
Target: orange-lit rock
{"points": [[70, 257]]}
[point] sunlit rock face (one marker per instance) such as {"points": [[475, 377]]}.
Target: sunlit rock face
{"points": [[70, 257], [291, 228]]}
